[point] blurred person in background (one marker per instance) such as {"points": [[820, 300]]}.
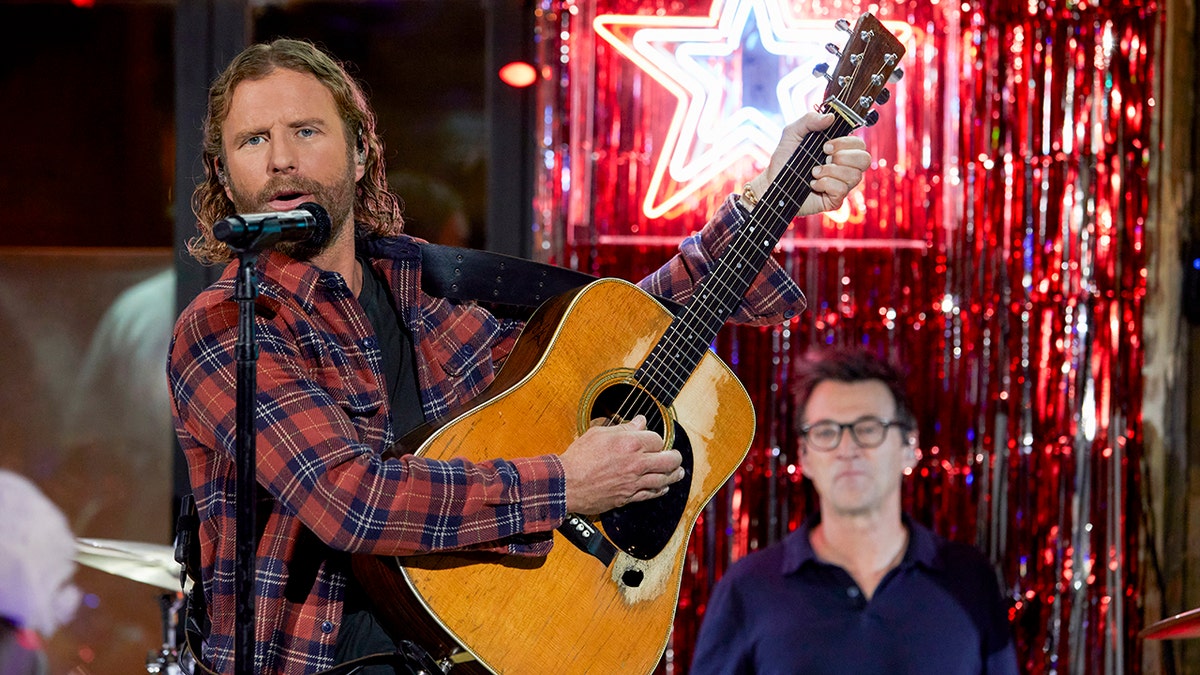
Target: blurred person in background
{"points": [[36, 566], [860, 587]]}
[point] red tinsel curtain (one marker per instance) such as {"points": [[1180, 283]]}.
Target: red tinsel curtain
{"points": [[996, 250]]}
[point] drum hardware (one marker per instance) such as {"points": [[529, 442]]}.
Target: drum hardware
{"points": [[151, 564], [1185, 625]]}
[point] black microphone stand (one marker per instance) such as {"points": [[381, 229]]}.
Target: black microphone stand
{"points": [[247, 239], [245, 292]]}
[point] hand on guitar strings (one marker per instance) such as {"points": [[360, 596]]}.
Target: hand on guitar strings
{"points": [[832, 181], [612, 465]]}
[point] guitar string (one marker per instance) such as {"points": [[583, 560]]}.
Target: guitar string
{"points": [[788, 204], [748, 255], [734, 260], [733, 274], [744, 249], [795, 188], [737, 257], [794, 197]]}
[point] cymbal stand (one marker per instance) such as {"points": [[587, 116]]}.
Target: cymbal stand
{"points": [[166, 659]]}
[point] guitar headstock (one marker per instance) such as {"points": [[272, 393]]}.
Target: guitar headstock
{"points": [[865, 65]]}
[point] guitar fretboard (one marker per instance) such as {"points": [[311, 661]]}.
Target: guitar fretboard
{"points": [[675, 357]]}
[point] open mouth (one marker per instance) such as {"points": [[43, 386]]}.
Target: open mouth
{"points": [[288, 200]]}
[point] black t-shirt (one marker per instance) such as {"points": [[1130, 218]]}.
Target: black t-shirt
{"points": [[361, 634], [396, 346]]}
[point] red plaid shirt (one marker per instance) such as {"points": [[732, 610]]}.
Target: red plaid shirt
{"points": [[323, 420]]}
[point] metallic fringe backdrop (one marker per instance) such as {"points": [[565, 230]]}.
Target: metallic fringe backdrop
{"points": [[995, 250]]}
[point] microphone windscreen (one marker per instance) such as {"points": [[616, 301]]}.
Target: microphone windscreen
{"points": [[320, 233], [223, 230]]}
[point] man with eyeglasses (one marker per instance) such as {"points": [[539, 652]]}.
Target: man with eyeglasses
{"points": [[859, 587]]}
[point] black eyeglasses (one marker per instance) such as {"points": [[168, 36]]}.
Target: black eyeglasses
{"points": [[867, 432]]}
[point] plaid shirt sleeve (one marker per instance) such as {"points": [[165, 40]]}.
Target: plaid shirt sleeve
{"points": [[772, 297], [313, 458]]}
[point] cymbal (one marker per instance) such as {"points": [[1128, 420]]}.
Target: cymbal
{"points": [[152, 564], [1185, 625]]}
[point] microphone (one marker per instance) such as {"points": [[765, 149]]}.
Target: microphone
{"points": [[308, 224]]}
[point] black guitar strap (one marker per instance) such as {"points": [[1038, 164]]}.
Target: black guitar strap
{"points": [[464, 274]]}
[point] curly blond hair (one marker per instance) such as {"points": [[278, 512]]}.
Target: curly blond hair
{"points": [[376, 209]]}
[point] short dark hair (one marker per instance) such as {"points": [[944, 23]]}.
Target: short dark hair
{"points": [[847, 364]]}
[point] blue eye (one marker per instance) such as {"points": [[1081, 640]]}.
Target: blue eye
{"points": [[307, 133], [254, 140]]}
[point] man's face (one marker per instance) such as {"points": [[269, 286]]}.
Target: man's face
{"points": [[850, 479], [284, 145]]}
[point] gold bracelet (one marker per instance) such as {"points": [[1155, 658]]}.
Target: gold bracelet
{"points": [[748, 197]]}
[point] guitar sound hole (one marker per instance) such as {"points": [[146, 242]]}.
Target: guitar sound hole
{"points": [[643, 529], [622, 402]]}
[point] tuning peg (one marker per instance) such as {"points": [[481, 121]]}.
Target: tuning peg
{"points": [[871, 118], [896, 75], [842, 25], [834, 49], [883, 97], [822, 70]]}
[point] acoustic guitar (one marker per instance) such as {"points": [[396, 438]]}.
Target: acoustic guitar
{"points": [[603, 600]]}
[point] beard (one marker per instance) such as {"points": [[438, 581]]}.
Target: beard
{"points": [[337, 198]]}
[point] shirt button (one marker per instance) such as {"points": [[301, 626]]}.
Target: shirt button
{"points": [[852, 591], [327, 627]]}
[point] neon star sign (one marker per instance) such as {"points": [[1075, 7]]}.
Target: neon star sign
{"points": [[739, 74]]}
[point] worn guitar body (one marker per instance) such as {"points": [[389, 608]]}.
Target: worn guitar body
{"points": [[569, 612], [605, 602]]}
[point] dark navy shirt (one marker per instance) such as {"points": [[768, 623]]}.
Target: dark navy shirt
{"points": [[781, 610]]}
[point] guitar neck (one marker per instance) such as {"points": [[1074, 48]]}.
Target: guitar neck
{"points": [[677, 354]]}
